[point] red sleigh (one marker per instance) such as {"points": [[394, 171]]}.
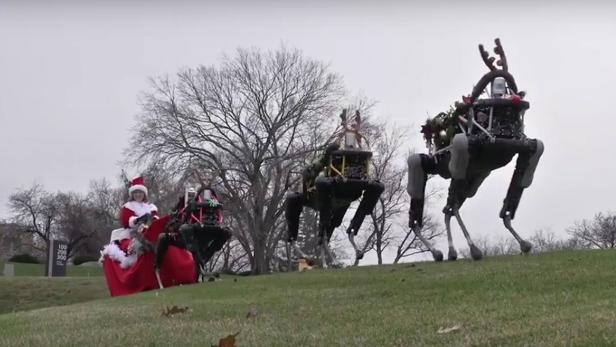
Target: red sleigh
{"points": [[178, 266]]}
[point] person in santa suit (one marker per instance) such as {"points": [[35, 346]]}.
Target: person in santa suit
{"points": [[137, 208], [133, 214]]}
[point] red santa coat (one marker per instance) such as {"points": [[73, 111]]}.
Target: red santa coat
{"points": [[128, 215], [133, 210]]}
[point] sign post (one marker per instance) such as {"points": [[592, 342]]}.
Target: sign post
{"points": [[56, 258]]}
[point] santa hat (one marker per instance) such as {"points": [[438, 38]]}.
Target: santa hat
{"points": [[137, 183]]}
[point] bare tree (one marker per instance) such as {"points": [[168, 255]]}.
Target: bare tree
{"points": [[76, 221], [501, 246], [65, 216], [106, 201], [231, 259], [548, 241], [36, 212], [492, 247], [543, 241], [309, 231], [407, 243], [250, 120], [599, 232], [389, 168]]}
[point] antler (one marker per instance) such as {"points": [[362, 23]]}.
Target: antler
{"points": [[206, 181], [502, 62], [489, 61]]}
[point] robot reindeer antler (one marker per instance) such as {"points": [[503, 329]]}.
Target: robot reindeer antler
{"points": [[494, 73], [489, 61], [206, 180], [350, 131]]}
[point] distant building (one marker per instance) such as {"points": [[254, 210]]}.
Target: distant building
{"points": [[13, 241]]}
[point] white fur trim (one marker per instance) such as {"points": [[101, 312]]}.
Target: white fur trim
{"points": [[138, 187], [140, 208], [120, 234], [116, 254]]}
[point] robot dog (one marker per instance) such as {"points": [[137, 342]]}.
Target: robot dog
{"points": [[197, 226], [331, 183], [465, 144]]}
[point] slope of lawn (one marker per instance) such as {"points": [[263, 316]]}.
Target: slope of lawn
{"points": [[556, 299], [22, 269], [27, 293]]}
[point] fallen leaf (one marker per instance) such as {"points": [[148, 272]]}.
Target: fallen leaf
{"points": [[170, 311], [450, 329], [228, 341], [252, 313]]}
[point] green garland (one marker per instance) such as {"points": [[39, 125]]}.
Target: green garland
{"points": [[442, 128]]}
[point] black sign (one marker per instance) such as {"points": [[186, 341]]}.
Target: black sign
{"points": [[56, 258]]}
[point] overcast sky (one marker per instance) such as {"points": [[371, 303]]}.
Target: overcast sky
{"points": [[71, 75]]}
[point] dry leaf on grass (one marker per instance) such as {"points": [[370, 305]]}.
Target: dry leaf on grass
{"points": [[169, 311], [450, 329], [252, 313], [228, 341]]}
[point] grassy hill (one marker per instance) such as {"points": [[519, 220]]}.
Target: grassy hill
{"points": [[564, 298], [27, 293], [22, 269]]}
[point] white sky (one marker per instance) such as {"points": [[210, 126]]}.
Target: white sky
{"points": [[71, 74]]}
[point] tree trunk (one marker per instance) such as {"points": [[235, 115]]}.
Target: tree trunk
{"points": [[379, 249], [259, 261]]}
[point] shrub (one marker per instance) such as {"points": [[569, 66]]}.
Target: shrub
{"points": [[24, 258], [80, 259]]}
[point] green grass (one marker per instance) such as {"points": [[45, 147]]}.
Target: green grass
{"points": [[565, 298], [28, 293], [22, 269]]}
